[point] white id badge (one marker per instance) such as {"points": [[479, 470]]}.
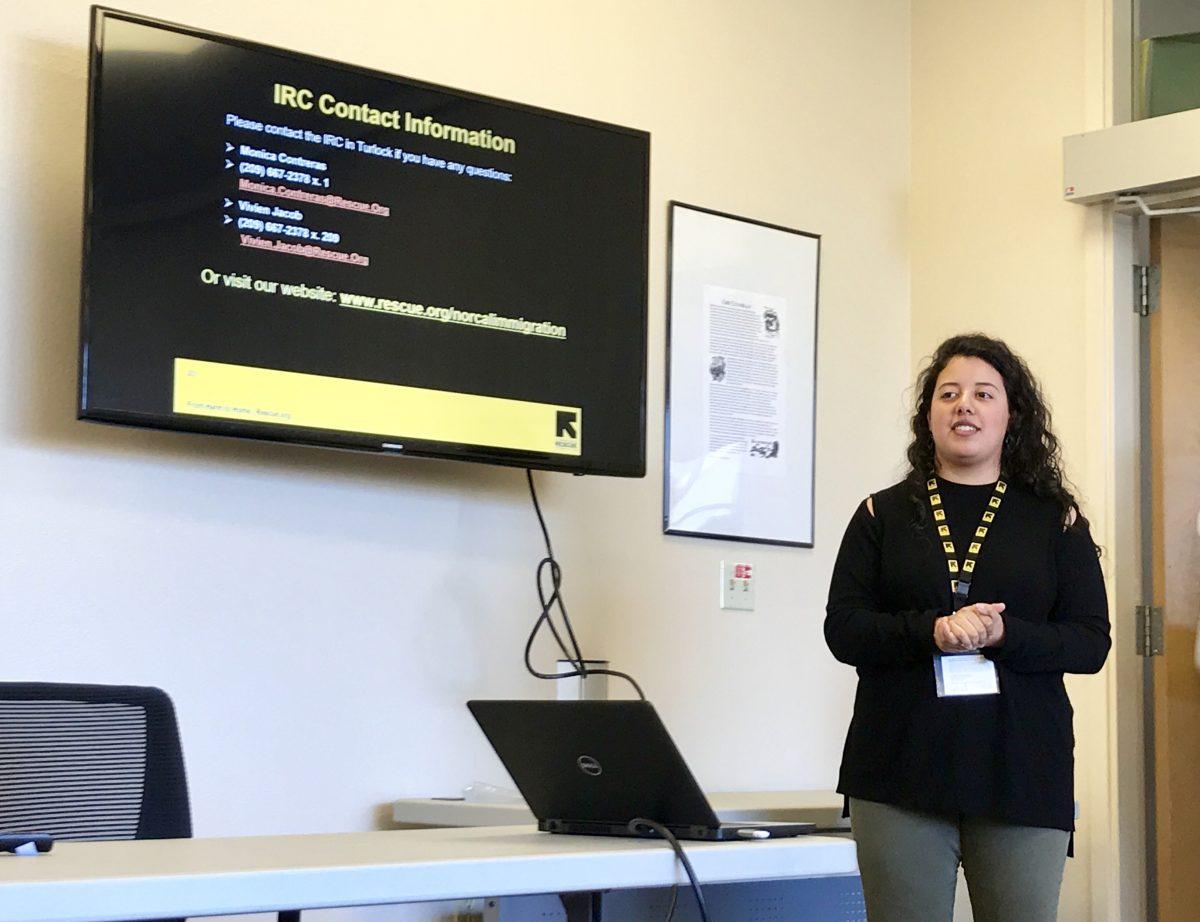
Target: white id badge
{"points": [[965, 674]]}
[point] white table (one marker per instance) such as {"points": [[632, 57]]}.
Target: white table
{"points": [[104, 881], [821, 807]]}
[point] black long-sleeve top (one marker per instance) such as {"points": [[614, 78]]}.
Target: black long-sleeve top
{"points": [[1008, 756]]}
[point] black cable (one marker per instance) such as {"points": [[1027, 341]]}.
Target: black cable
{"points": [[556, 595], [664, 832], [549, 564], [546, 605]]}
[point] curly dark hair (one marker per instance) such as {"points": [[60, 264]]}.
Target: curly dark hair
{"points": [[1031, 454]]}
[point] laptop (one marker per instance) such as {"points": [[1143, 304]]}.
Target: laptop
{"points": [[589, 767]]}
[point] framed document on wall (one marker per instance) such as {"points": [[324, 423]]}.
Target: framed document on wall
{"points": [[741, 379]]}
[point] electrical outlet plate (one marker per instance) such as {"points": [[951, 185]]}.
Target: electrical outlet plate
{"points": [[737, 585]]}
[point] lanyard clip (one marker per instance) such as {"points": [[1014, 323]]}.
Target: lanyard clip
{"points": [[961, 589]]}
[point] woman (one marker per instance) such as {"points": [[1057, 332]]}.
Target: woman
{"points": [[962, 595]]}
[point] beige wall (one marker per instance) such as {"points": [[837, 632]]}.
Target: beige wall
{"points": [[319, 617], [994, 248], [754, 699]]}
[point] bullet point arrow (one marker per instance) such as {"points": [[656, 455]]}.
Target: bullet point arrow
{"points": [[228, 147], [227, 203], [228, 220], [228, 164]]}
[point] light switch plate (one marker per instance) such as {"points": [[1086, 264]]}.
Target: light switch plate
{"points": [[737, 586]]}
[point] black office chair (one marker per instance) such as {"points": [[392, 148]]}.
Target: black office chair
{"points": [[93, 762]]}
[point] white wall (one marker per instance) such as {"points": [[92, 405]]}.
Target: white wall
{"points": [[995, 248], [319, 618], [754, 699]]}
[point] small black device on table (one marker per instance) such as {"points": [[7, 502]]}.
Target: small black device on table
{"points": [[29, 843]]}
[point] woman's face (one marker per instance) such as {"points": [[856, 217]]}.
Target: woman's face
{"points": [[969, 413]]}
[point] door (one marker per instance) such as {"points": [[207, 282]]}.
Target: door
{"points": [[1174, 377]]}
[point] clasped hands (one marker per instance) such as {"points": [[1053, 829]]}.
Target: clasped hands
{"points": [[970, 628]]}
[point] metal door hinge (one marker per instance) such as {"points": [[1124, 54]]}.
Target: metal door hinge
{"points": [[1150, 630], [1146, 286]]}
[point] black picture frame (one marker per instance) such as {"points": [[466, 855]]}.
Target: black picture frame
{"points": [[762, 490]]}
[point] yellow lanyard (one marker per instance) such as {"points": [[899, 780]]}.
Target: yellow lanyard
{"points": [[960, 584]]}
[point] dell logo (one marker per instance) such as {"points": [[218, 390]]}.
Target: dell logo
{"points": [[589, 766]]}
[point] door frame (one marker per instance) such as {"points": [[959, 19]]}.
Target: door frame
{"points": [[1123, 867]]}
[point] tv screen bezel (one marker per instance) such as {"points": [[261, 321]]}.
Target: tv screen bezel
{"points": [[363, 442]]}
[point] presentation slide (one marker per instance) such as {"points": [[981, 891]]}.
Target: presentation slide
{"points": [[280, 244]]}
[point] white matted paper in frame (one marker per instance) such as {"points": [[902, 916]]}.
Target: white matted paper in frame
{"points": [[741, 379]]}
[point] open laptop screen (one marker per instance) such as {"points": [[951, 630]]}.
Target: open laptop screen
{"points": [[593, 761]]}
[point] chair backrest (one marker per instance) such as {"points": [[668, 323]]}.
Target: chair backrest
{"points": [[91, 762]]}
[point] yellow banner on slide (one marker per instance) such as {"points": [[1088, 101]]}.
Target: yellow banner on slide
{"points": [[289, 398]]}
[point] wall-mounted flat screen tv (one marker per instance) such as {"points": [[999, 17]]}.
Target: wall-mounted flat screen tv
{"points": [[282, 247]]}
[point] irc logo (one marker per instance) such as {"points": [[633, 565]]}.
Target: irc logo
{"points": [[566, 429], [589, 766]]}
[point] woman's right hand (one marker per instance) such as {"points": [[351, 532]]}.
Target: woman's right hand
{"points": [[967, 629]]}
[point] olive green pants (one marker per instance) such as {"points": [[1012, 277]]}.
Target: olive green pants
{"points": [[909, 865]]}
